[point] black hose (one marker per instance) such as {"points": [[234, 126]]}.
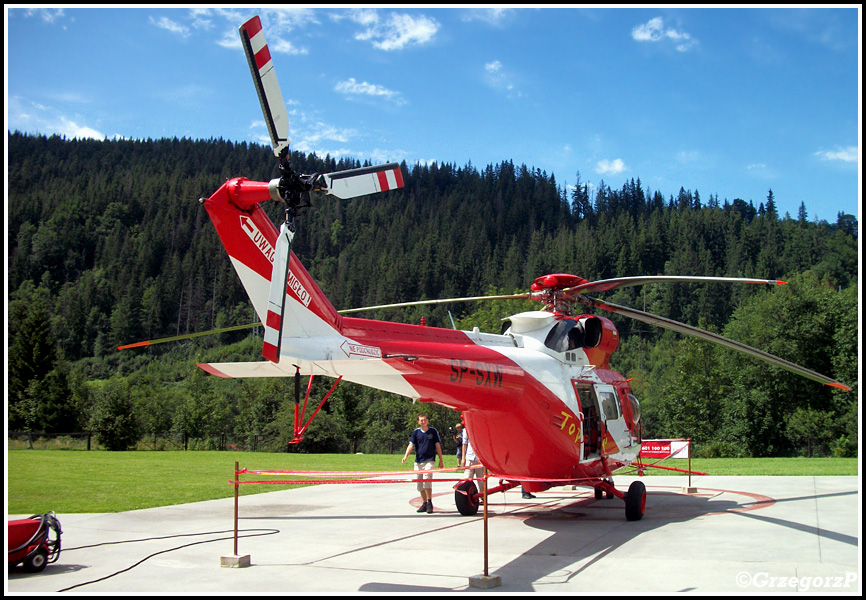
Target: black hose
{"points": [[129, 568]]}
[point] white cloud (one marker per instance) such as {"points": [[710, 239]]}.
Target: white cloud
{"points": [[169, 25], [849, 154], [71, 129], [322, 131], [396, 32], [654, 31], [31, 117], [288, 18], [761, 171], [49, 15], [200, 18], [491, 16], [230, 39], [500, 78], [351, 86], [281, 46], [610, 167]]}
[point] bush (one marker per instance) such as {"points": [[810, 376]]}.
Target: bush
{"points": [[717, 450], [113, 421]]}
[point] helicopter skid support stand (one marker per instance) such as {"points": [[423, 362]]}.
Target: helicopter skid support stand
{"points": [[235, 561]]}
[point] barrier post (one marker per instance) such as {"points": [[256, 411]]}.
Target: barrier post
{"points": [[237, 485], [485, 581], [690, 461], [235, 560], [486, 473], [690, 489]]}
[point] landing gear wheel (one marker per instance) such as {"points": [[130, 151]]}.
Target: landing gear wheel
{"points": [[598, 493], [635, 501], [37, 562], [463, 498]]}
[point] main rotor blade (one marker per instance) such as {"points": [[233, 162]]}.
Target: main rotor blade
{"points": [[440, 301], [604, 285], [188, 336], [710, 337]]}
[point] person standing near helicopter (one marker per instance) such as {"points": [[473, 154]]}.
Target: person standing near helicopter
{"points": [[473, 468], [458, 438], [427, 444]]}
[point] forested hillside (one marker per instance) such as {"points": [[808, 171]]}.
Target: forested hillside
{"points": [[108, 244]]}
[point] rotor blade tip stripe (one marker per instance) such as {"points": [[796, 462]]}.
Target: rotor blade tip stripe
{"points": [[271, 352], [263, 57], [253, 26], [135, 345], [838, 385], [780, 282], [274, 320]]}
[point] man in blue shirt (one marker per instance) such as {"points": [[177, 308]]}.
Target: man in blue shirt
{"points": [[427, 446]]}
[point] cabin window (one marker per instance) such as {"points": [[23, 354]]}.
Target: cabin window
{"points": [[635, 408], [609, 406]]}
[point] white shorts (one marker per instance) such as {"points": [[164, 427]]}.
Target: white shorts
{"points": [[476, 472], [424, 480]]}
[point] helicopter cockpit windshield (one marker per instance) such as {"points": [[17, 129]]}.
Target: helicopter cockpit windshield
{"points": [[569, 334]]}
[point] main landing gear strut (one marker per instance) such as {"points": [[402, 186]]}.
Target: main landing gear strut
{"points": [[468, 498], [634, 498]]}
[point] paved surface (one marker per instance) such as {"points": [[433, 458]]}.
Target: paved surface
{"points": [[740, 535]]}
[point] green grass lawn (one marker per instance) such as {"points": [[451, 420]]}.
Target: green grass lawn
{"points": [[39, 481], [96, 481]]}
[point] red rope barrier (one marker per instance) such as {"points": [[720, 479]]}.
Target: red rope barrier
{"points": [[411, 477], [349, 473], [307, 482]]}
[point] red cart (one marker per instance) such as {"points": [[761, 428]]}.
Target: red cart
{"points": [[30, 542]]}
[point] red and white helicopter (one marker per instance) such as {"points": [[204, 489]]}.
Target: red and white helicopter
{"points": [[543, 406]]}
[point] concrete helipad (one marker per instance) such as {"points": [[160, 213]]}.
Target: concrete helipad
{"points": [[740, 535]]}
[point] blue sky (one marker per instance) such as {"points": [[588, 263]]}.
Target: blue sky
{"points": [[732, 102]]}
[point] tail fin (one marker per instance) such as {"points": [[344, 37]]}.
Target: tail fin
{"points": [[250, 239]]}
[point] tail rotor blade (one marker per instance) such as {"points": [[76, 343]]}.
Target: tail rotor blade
{"points": [[277, 297], [265, 80], [367, 180]]}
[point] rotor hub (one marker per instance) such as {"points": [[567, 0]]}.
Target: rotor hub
{"points": [[549, 290]]}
